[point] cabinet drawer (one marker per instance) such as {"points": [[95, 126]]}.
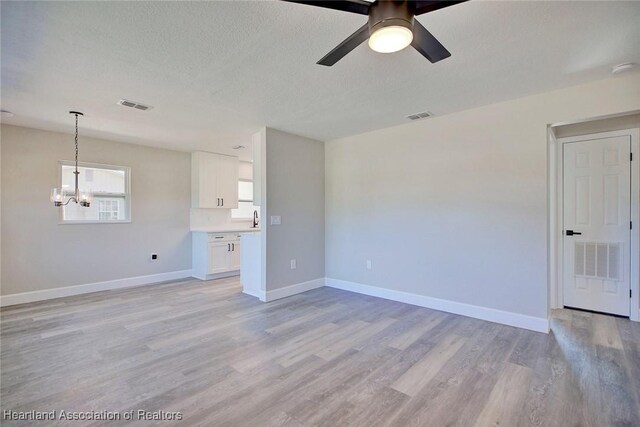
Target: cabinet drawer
{"points": [[223, 237]]}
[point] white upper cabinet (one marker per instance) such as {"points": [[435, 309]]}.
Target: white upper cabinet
{"points": [[214, 181], [228, 181]]}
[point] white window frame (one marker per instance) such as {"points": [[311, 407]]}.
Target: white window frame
{"points": [[242, 219], [127, 194]]}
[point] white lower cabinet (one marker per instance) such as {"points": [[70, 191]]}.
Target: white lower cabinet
{"points": [[235, 255], [215, 255], [219, 258]]}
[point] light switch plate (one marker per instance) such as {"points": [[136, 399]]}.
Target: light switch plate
{"points": [[368, 264], [276, 220], [293, 264]]}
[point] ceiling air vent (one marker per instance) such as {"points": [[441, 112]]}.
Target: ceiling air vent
{"points": [[135, 105], [419, 116]]}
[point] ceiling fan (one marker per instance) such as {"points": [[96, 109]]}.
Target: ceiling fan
{"points": [[392, 27]]}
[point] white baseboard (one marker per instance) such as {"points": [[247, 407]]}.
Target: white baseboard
{"points": [[537, 324], [25, 297], [261, 295], [293, 289], [492, 315], [217, 275]]}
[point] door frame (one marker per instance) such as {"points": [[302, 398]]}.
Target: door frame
{"points": [[556, 241]]}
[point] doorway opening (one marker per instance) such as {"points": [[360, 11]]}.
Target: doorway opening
{"points": [[594, 208]]}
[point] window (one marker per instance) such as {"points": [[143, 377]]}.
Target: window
{"points": [[110, 188], [245, 201], [108, 210]]}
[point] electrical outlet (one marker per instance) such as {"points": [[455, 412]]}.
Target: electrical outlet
{"points": [[368, 264], [154, 257], [293, 264], [276, 220]]}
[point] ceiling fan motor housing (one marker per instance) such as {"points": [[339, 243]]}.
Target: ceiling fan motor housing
{"points": [[390, 13]]}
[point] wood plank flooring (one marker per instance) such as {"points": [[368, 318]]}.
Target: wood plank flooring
{"points": [[326, 357]]}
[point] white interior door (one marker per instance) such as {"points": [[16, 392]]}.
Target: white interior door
{"points": [[596, 224]]}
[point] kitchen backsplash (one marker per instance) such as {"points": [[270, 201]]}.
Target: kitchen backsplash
{"points": [[217, 219]]}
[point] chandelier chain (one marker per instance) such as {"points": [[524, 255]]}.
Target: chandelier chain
{"points": [[76, 143]]}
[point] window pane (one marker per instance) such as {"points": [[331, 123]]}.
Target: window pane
{"points": [[244, 211], [109, 210], [245, 190], [101, 209], [94, 179]]}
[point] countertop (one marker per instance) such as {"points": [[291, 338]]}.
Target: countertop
{"points": [[227, 230]]}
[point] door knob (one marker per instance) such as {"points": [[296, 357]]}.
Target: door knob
{"points": [[573, 233]]}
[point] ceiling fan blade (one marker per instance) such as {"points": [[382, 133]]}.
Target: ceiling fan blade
{"points": [[420, 7], [353, 6], [351, 42], [427, 45]]}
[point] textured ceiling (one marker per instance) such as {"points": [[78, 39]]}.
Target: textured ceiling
{"points": [[218, 71]]}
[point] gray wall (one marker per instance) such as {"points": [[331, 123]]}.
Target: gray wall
{"points": [[295, 191], [38, 253], [455, 207]]}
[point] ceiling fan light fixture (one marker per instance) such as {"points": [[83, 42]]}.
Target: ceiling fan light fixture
{"points": [[389, 39], [391, 26]]}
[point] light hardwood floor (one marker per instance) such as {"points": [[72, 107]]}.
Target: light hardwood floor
{"points": [[325, 357]]}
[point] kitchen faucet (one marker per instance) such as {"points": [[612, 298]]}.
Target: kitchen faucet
{"points": [[255, 219]]}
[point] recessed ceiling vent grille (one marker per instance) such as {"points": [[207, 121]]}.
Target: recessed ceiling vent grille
{"points": [[135, 105], [419, 116]]}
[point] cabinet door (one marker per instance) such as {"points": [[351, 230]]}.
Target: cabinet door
{"points": [[228, 181], [234, 262], [206, 169], [219, 257]]}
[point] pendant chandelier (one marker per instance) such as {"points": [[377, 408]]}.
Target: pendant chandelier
{"points": [[83, 198]]}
